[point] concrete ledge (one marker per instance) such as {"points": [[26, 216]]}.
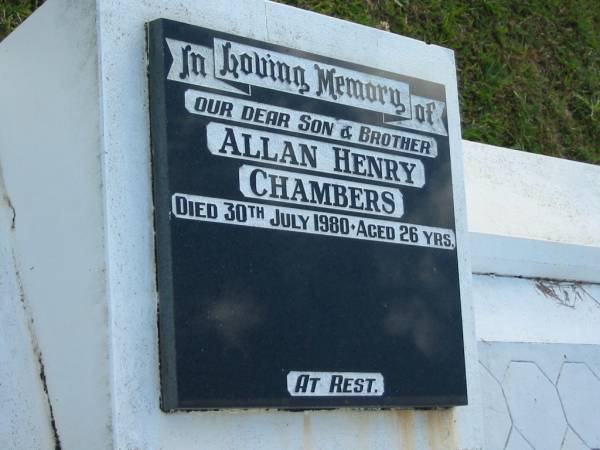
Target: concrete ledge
{"points": [[531, 258], [527, 196]]}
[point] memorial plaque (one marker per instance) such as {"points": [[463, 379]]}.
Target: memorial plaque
{"points": [[305, 230]]}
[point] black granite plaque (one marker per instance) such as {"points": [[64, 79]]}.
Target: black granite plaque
{"points": [[305, 234]]}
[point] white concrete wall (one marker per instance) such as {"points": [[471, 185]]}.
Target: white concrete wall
{"points": [[539, 218], [78, 338], [52, 238]]}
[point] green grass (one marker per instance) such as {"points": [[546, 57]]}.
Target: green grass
{"points": [[529, 71], [13, 12]]}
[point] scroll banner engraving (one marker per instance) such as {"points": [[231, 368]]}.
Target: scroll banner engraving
{"points": [[259, 215], [332, 384], [307, 154], [319, 192], [286, 119], [233, 67]]}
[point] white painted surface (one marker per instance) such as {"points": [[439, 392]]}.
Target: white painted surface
{"points": [[534, 405], [50, 157], [531, 215], [517, 442], [580, 392], [495, 411], [506, 255], [534, 216], [548, 393], [573, 442], [524, 195], [83, 171], [521, 310], [25, 416]]}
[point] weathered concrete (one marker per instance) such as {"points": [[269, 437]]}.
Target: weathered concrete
{"points": [[78, 353], [524, 195], [50, 156], [549, 393]]}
